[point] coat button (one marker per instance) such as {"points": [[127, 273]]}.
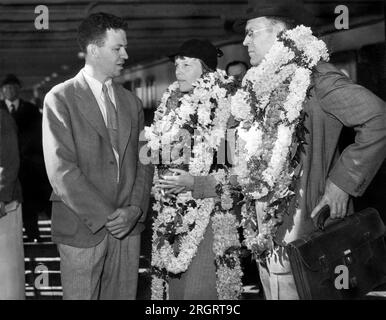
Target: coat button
{"points": [[111, 162]]}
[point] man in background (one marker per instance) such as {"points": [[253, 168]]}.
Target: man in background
{"points": [[236, 68]]}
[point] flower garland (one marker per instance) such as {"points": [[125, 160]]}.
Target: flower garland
{"points": [[226, 243], [181, 221], [269, 107]]}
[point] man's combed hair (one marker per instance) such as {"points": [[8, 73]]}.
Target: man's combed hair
{"points": [[93, 28]]}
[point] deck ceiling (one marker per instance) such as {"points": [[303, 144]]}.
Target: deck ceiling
{"points": [[156, 29]]}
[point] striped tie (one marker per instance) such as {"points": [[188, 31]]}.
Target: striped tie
{"points": [[112, 118]]}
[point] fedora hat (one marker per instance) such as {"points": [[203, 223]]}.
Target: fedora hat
{"points": [[10, 79], [289, 9]]}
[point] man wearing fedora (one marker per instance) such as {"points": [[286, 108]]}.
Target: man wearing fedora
{"points": [[328, 178]]}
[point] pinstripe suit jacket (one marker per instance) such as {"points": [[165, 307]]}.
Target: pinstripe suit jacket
{"points": [[81, 166]]}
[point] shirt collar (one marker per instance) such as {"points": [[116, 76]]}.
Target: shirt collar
{"points": [[96, 85], [15, 103]]}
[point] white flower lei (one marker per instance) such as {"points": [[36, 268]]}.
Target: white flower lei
{"points": [[208, 136], [269, 107]]}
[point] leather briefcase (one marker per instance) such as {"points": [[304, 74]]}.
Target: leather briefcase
{"points": [[344, 260]]}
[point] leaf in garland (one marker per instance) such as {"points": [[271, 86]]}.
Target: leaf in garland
{"points": [[178, 220], [188, 128], [171, 238], [159, 234], [212, 100], [191, 203], [194, 119], [232, 249], [192, 226], [218, 189], [161, 243], [170, 229], [217, 207], [180, 205], [158, 272], [176, 247]]}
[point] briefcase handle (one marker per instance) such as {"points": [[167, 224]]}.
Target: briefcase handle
{"points": [[322, 217]]}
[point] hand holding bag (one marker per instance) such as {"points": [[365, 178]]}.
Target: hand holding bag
{"points": [[344, 260]]}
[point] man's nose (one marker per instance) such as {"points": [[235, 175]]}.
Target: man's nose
{"points": [[246, 41], [124, 53]]}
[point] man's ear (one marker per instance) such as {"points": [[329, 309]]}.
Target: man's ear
{"points": [[92, 50]]}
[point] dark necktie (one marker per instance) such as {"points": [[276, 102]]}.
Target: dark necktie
{"points": [[12, 109], [112, 118]]}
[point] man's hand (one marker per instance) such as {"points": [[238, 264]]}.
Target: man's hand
{"points": [[122, 221], [335, 198], [2, 209]]}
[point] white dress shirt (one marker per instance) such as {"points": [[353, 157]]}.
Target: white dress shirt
{"points": [[15, 104]]}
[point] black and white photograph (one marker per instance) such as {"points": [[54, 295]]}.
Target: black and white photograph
{"points": [[193, 150]]}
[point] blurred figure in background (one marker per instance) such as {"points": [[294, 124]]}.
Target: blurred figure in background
{"points": [[238, 69], [33, 178], [12, 281], [37, 100]]}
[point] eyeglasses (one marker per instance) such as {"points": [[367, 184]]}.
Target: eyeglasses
{"points": [[250, 33]]}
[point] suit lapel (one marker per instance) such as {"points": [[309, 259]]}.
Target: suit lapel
{"points": [[124, 118], [88, 106]]}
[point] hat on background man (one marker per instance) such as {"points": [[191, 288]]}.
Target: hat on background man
{"points": [[10, 79], [200, 49], [293, 10]]}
